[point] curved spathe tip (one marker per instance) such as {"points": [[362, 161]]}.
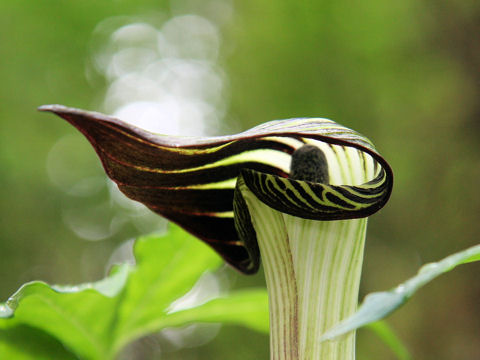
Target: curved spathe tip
{"points": [[191, 181]]}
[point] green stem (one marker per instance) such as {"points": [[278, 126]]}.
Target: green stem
{"points": [[312, 269], [279, 270], [327, 258]]}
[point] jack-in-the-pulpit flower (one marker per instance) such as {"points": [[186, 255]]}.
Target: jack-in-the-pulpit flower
{"points": [[297, 192]]}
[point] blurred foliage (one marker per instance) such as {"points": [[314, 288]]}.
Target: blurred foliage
{"points": [[97, 320], [379, 304], [406, 74]]}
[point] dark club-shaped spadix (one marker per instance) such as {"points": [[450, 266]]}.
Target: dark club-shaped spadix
{"points": [[192, 181]]}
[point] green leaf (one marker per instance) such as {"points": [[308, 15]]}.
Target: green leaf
{"points": [[96, 320], [25, 343], [109, 287], [167, 269], [244, 307], [378, 305], [78, 317], [386, 334]]}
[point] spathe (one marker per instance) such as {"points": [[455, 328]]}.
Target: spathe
{"points": [[191, 181]]}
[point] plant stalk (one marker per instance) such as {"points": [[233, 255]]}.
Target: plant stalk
{"points": [[312, 270]]}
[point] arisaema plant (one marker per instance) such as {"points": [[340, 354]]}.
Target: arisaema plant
{"points": [[296, 193]]}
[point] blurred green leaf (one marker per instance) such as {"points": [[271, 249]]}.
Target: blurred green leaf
{"points": [[79, 317], [25, 343], [167, 269], [109, 287], [96, 320], [387, 335], [378, 305], [243, 307]]}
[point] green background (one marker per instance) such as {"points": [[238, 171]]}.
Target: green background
{"points": [[406, 74]]}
